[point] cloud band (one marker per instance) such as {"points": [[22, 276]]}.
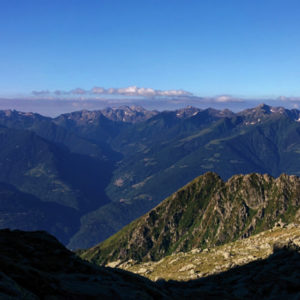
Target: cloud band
{"points": [[128, 91]]}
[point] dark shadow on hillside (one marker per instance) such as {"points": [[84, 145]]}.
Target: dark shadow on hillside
{"points": [[34, 265], [89, 176], [19, 210], [276, 277]]}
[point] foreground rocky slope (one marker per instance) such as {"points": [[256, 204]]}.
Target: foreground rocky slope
{"points": [[199, 263], [34, 265], [205, 213], [276, 277]]}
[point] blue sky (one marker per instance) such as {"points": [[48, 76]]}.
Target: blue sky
{"points": [[246, 49]]}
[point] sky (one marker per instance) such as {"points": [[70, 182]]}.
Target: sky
{"points": [[61, 55]]}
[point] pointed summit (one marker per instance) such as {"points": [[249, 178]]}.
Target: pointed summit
{"points": [[259, 113], [187, 112], [264, 107]]}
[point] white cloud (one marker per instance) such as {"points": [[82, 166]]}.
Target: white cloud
{"points": [[41, 93], [78, 91], [98, 90], [60, 93], [137, 91], [127, 91], [225, 99], [174, 93], [289, 99], [131, 93], [96, 93]]}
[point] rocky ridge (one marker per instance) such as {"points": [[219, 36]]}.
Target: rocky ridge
{"points": [[131, 114], [205, 213]]}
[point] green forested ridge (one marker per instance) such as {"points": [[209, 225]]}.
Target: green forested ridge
{"points": [[51, 172], [205, 213]]}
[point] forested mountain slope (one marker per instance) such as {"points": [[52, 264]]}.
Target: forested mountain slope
{"points": [[114, 165]]}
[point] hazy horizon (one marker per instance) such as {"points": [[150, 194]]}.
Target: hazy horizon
{"points": [[53, 108], [57, 56]]}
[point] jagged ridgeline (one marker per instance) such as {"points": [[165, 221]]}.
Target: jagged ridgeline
{"points": [[204, 213]]}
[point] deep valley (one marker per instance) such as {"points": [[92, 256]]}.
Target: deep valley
{"points": [[108, 167]]}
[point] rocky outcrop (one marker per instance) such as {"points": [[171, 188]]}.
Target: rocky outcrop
{"points": [[205, 213], [276, 277], [33, 265], [199, 263]]}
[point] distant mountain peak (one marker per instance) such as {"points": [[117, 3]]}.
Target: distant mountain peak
{"points": [[263, 111], [187, 112], [263, 106], [128, 114], [136, 108]]}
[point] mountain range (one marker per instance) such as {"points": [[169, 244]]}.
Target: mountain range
{"points": [[107, 168]]}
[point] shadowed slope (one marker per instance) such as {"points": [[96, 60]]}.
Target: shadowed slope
{"points": [[276, 277], [19, 210], [34, 265]]}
